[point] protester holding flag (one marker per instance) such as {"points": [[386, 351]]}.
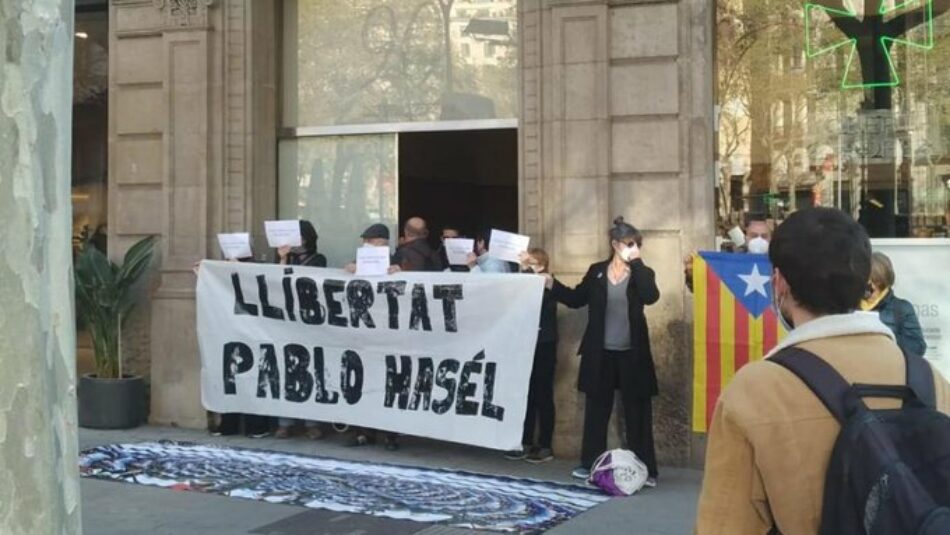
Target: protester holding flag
{"points": [[615, 350], [896, 313], [756, 241]]}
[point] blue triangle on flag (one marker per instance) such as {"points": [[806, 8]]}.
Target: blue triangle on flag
{"points": [[748, 277]]}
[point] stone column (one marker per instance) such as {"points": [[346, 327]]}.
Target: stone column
{"points": [[616, 119], [192, 152], [39, 483]]}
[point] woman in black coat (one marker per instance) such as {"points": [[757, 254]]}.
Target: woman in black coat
{"points": [[615, 350]]}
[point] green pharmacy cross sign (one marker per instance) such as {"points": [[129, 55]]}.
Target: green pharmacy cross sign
{"points": [[870, 38]]}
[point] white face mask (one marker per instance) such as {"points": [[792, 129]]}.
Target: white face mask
{"points": [[758, 245], [626, 253]]}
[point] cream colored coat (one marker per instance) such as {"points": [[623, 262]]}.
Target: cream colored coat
{"points": [[771, 439]]}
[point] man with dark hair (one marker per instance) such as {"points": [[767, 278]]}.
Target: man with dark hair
{"points": [[415, 253], [758, 234], [448, 233], [771, 438]]}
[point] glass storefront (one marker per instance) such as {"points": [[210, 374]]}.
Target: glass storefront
{"points": [[357, 74], [843, 104], [340, 184], [386, 61], [90, 123]]}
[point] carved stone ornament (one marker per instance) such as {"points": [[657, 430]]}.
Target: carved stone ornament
{"points": [[185, 13]]}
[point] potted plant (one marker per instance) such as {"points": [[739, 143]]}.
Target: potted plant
{"points": [[109, 398]]}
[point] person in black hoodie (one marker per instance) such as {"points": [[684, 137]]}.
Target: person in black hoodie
{"points": [[615, 350], [305, 255], [541, 389]]}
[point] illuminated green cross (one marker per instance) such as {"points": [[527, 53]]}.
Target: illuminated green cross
{"points": [[871, 37]]}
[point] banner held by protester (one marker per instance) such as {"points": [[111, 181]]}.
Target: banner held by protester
{"points": [[440, 355]]}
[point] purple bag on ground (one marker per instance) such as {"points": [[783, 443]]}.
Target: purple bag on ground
{"points": [[618, 472]]}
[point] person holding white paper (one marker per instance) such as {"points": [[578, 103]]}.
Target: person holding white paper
{"points": [[482, 262], [235, 246], [507, 246], [304, 255], [376, 235], [454, 264]]}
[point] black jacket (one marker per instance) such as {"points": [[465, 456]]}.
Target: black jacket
{"points": [[314, 259], [899, 315], [417, 255], [592, 293], [547, 329]]}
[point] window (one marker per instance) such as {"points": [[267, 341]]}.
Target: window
{"points": [[341, 184], [812, 125], [387, 61], [357, 75]]}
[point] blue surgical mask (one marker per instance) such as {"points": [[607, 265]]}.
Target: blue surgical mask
{"points": [[777, 309]]}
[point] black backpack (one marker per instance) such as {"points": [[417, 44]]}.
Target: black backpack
{"points": [[889, 472]]}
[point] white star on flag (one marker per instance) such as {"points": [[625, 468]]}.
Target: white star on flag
{"points": [[755, 281]]}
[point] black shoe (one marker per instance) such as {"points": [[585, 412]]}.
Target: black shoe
{"points": [[391, 444], [540, 455], [516, 455]]}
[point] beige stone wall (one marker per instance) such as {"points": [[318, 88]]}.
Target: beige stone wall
{"points": [[192, 153], [617, 120]]}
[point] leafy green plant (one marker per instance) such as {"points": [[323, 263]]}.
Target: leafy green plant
{"points": [[104, 298]]}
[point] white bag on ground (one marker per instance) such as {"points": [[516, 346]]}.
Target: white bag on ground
{"points": [[619, 472]]}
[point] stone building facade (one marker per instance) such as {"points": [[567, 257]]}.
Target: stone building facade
{"points": [[615, 118]]}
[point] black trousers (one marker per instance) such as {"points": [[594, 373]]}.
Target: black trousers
{"points": [[253, 424], [638, 415], [541, 396]]}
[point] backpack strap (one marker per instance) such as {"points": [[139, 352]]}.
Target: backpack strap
{"points": [[820, 377], [920, 379]]}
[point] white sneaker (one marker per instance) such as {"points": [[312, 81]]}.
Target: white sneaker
{"points": [[581, 473], [651, 483]]}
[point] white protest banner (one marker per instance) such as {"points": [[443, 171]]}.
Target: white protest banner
{"points": [[922, 269], [235, 246], [372, 261], [458, 249], [441, 355], [507, 246], [283, 233]]}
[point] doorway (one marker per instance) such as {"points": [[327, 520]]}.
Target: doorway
{"points": [[462, 179]]}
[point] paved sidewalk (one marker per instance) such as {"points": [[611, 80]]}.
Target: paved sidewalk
{"points": [[117, 508]]}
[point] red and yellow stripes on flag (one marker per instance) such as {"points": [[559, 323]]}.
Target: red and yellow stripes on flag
{"points": [[725, 338]]}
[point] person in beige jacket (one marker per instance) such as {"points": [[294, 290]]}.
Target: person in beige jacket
{"points": [[771, 439]]}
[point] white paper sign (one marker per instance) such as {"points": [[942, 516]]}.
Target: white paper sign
{"points": [[440, 355], [235, 246], [507, 246], [372, 261], [283, 233], [458, 249], [921, 269]]}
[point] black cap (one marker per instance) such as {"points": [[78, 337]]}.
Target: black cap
{"points": [[376, 231]]}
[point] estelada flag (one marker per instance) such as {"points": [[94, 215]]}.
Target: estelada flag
{"points": [[733, 323]]}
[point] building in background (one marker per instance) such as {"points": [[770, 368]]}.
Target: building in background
{"points": [[545, 117]]}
